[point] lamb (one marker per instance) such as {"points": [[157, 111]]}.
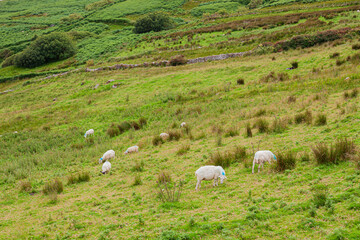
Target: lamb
{"points": [[132, 150], [89, 132], [108, 155], [208, 173], [164, 136], [106, 167], [183, 124], [261, 157]]}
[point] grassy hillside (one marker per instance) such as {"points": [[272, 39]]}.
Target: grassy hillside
{"points": [[284, 108]]}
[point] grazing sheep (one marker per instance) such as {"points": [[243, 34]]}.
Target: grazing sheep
{"points": [[164, 136], [89, 132], [106, 167], [108, 155], [183, 124], [208, 173], [132, 150], [261, 157]]}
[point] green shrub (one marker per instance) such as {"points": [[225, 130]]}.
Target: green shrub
{"points": [[47, 48], [124, 126], [254, 4], [55, 186], [5, 53], [285, 161], [153, 22], [113, 131], [97, 5], [239, 153], [218, 159], [10, 61]]}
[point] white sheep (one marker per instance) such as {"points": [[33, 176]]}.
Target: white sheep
{"points": [[89, 132], [132, 150], [261, 157], [108, 155], [164, 136], [183, 124], [208, 173], [106, 167]]}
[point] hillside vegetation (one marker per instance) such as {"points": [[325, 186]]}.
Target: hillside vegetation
{"points": [[295, 92]]}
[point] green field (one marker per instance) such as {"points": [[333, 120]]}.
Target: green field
{"points": [[307, 201]]}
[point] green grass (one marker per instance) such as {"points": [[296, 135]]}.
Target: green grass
{"points": [[52, 115]]}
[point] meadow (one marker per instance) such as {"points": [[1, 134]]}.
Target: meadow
{"points": [[292, 100]]}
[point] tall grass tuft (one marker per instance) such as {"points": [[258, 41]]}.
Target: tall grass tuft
{"points": [[240, 81], [320, 120], [305, 117], [262, 125], [25, 186], [137, 180], [248, 130], [232, 132], [320, 195], [285, 161], [174, 135], [138, 166], [78, 177], [279, 125], [169, 193], [183, 149], [221, 159], [340, 151], [55, 186], [164, 177], [157, 140], [239, 153]]}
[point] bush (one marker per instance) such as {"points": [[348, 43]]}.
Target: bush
{"points": [[342, 149], [305, 117], [153, 22], [157, 140], [10, 61], [285, 161], [356, 46], [320, 120], [339, 62], [47, 48], [164, 177], [262, 125], [294, 65], [97, 5], [6, 53], [254, 4], [124, 126], [51, 187], [177, 60], [239, 153], [25, 186], [240, 81], [78, 177], [135, 125]]}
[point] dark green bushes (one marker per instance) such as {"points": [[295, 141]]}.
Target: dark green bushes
{"points": [[47, 48], [153, 22]]}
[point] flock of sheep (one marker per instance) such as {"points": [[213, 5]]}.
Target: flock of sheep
{"points": [[206, 173]]}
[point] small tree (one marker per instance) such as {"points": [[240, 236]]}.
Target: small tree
{"points": [[153, 22], [47, 48]]}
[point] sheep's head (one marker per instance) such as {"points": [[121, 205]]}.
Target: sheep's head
{"points": [[126, 152], [100, 160], [85, 135], [222, 177]]}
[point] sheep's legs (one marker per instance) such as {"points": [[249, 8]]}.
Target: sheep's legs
{"points": [[198, 185], [253, 167], [259, 167]]}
